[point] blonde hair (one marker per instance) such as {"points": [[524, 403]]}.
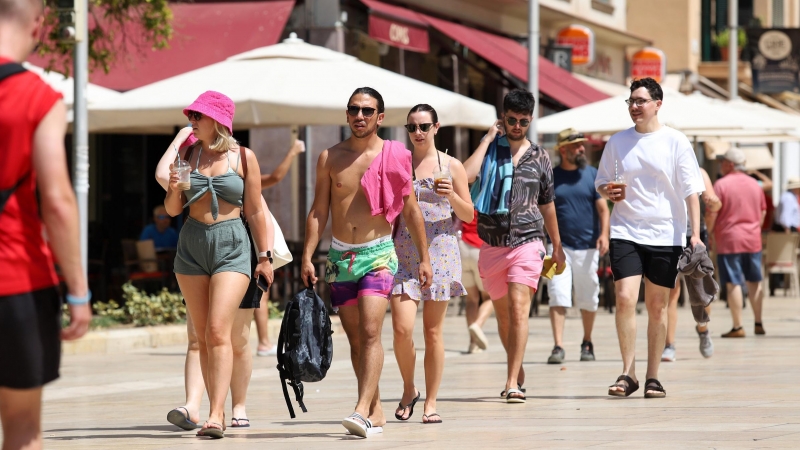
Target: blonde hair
{"points": [[224, 141]]}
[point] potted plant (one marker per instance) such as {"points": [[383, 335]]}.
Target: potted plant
{"points": [[723, 39]]}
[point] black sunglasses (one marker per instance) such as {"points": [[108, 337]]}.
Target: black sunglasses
{"points": [[572, 137], [353, 111], [194, 115], [424, 127], [511, 121]]}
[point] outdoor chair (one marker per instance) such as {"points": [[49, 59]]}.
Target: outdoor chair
{"points": [[781, 258], [141, 265]]}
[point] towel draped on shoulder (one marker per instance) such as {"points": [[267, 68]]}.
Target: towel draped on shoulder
{"points": [[386, 181]]}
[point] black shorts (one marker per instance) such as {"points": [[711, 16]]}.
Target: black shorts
{"points": [[30, 339], [252, 298], [659, 264]]}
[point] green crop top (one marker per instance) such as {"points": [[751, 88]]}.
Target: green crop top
{"points": [[229, 186]]}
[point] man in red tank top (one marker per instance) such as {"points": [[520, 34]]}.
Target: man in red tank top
{"points": [[32, 155]]}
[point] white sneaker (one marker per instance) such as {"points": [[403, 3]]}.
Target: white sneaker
{"points": [[668, 355], [271, 352], [706, 346], [478, 337], [473, 348]]}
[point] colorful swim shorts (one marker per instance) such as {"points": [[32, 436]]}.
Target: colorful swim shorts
{"points": [[357, 270]]}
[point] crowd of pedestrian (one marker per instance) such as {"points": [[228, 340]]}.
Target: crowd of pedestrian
{"points": [[407, 229]]}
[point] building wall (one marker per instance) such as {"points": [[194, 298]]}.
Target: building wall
{"points": [[787, 13], [674, 27], [594, 10]]}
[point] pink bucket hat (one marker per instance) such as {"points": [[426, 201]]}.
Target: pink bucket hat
{"points": [[215, 105]]}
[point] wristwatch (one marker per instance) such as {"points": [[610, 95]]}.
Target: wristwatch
{"points": [[267, 254]]}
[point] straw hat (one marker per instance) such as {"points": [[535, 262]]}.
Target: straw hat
{"points": [[569, 136], [792, 183]]}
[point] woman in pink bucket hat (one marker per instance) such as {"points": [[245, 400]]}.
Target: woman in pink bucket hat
{"points": [[213, 261]]}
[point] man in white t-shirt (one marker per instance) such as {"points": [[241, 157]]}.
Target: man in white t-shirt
{"points": [[651, 175]]}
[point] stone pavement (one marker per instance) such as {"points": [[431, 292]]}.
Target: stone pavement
{"points": [[746, 396]]}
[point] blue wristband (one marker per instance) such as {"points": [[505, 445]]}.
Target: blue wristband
{"points": [[72, 300]]}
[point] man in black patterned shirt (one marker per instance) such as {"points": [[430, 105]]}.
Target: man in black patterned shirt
{"points": [[514, 196]]}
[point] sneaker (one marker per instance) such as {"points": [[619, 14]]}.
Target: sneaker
{"points": [[706, 346], [668, 355], [735, 333], [587, 351], [474, 348], [760, 329], [557, 357]]}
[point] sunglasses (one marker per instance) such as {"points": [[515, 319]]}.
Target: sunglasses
{"points": [[424, 127], [572, 137], [511, 121], [353, 111], [194, 115], [638, 101]]}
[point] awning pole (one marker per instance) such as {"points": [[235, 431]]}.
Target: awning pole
{"points": [[533, 62], [80, 131], [733, 48]]}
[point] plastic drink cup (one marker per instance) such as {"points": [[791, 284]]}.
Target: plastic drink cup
{"points": [[183, 169], [619, 183], [439, 176]]}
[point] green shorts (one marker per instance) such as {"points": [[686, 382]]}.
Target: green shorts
{"points": [[360, 270], [206, 249]]}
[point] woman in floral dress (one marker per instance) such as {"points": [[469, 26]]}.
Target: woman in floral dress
{"points": [[438, 201]]}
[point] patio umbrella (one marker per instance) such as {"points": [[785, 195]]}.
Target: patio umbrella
{"points": [[695, 115], [66, 85], [292, 83]]}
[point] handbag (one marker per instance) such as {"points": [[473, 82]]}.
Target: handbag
{"points": [[281, 255]]}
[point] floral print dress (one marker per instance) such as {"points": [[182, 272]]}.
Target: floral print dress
{"points": [[442, 247]]}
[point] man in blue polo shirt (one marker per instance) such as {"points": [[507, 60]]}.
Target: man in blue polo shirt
{"points": [[583, 223], [163, 235]]}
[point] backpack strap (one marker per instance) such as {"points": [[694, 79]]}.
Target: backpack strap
{"points": [[9, 69], [283, 375]]}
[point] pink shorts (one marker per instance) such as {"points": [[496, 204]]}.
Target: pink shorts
{"points": [[499, 266]]}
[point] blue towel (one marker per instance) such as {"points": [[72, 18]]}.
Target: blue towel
{"points": [[491, 191]]}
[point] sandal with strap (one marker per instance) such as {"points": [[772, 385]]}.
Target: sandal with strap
{"points": [[410, 406], [212, 431], [519, 396], [357, 425], [519, 387], [654, 385], [630, 387], [181, 420]]}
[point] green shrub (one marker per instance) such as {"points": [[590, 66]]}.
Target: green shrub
{"points": [[274, 311], [142, 309]]}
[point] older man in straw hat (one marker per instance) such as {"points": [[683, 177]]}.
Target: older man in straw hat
{"points": [[737, 233], [583, 218], [788, 219]]}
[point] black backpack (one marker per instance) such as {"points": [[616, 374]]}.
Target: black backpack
{"points": [[305, 346]]}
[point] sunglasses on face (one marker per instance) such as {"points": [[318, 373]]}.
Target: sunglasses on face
{"points": [[511, 121], [194, 115], [424, 127], [572, 137], [638, 101], [367, 111]]}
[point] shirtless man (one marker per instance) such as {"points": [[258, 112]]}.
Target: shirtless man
{"points": [[362, 261]]}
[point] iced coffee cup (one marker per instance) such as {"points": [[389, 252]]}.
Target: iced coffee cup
{"points": [[183, 169], [619, 183], [440, 176]]}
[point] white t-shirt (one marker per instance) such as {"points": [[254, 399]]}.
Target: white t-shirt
{"points": [[661, 170]]}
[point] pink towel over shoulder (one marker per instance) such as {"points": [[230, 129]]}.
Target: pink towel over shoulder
{"points": [[386, 181]]}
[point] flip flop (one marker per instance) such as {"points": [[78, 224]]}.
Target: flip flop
{"points": [[358, 425], [238, 425], [429, 422], [410, 406], [181, 420], [510, 399], [654, 385], [212, 432], [630, 387]]}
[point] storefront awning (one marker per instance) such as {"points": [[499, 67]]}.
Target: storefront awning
{"points": [[510, 55], [396, 26], [204, 33]]}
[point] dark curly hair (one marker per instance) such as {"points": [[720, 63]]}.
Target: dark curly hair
{"points": [[519, 101], [372, 93], [652, 86]]}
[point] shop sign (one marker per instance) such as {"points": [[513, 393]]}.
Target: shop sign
{"points": [[775, 59], [398, 33], [581, 39], [649, 63]]}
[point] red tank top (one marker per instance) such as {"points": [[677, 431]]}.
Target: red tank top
{"points": [[26, 263], [469, 232]]}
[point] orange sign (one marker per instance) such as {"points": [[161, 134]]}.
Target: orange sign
{"points": [[582, 41], [649, 62]]}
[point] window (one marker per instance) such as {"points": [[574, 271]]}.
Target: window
{"points": [[605, 6]]}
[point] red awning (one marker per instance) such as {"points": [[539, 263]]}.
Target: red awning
{"points": [[205, 33], [397, 26], [510, 55]]}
